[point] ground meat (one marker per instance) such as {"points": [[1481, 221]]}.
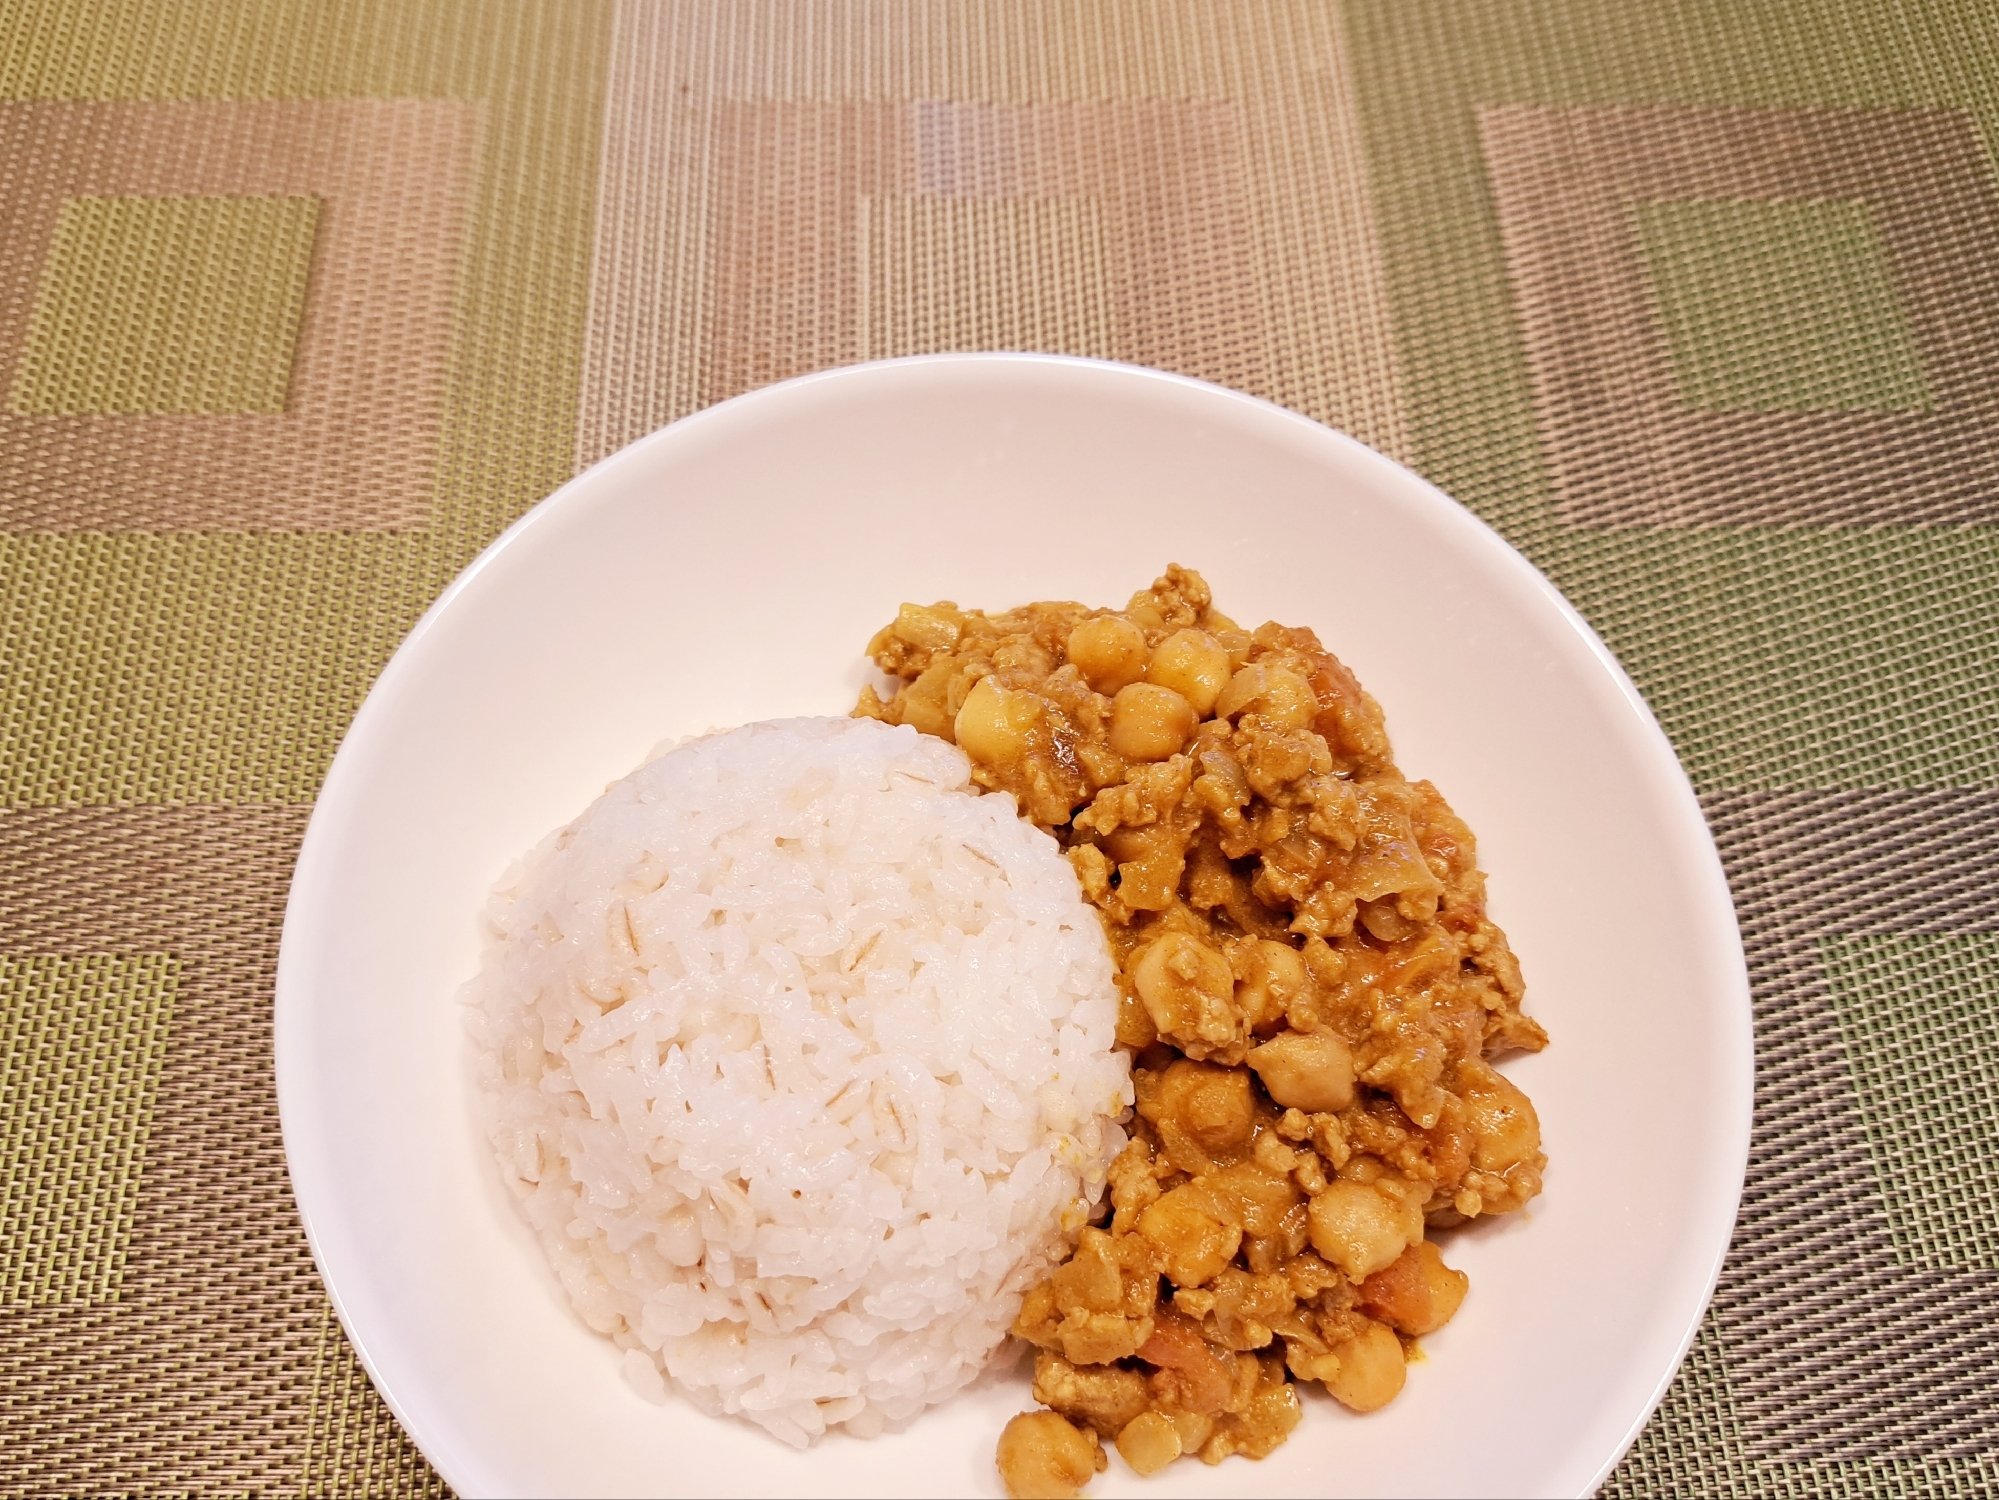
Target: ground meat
{"points": [[1309, 984]]}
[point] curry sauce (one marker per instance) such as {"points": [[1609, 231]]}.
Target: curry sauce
{"points": [[1311, 991]]}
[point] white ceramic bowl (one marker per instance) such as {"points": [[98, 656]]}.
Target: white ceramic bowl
{"points": [[731, 567]]}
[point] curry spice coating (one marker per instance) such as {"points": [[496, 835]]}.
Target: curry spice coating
{"points": [[1310, 987]]}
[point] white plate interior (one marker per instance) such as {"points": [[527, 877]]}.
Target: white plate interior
{"points": [[730, 568]]}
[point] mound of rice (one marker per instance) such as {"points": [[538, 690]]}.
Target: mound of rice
{"points": [[799, 1055]]}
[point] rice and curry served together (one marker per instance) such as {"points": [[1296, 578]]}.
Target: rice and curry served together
{"points": [[813, 1066]]}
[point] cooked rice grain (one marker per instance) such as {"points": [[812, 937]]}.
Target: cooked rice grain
{"points": [[799, 1055]]}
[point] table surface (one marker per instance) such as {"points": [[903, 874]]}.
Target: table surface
{"points": [[301, 303]]}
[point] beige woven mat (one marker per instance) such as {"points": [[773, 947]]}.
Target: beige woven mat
{"points": [[301, 302]]}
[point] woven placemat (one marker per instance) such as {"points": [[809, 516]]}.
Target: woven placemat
{"points": [[300, 303]]}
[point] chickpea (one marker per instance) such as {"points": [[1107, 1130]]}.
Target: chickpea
{"points": [[1134, 1023], [1504, 1128], [1194, 1427], [1213, 1105], [1281, 696], [1186, 988], [1312, 1072], [1192, 1242], [1269, 977], [1043, 1456], [992, 726], [1361, 1229], [1371, 1369], [1221, 1115], [1149, 722], [1109, 651], [1193, 665], [1149, 1442]]}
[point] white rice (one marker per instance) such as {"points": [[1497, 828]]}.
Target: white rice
{"points": [[799, 1056]]}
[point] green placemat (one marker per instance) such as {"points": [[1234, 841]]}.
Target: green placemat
{"points": [[301, 303]]}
